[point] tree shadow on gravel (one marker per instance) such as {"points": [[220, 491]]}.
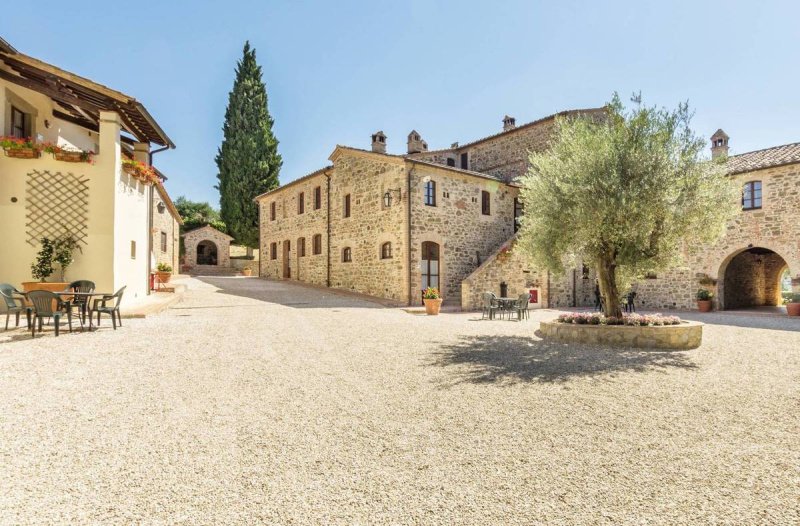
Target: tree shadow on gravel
{"points": [[515, 359]]}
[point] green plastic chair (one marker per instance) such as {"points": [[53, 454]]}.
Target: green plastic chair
{"points": [[101, 306], [490, 305], [48, 304], [7, 292], [522, 307], [82, 302]]}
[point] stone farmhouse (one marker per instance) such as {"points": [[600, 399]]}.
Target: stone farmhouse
{"points": [[124, 225], [390, 225]]}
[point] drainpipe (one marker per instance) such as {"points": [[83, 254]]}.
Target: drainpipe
{"points": [[328, 248], [408, 247]]}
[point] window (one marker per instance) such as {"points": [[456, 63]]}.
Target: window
{"points": [[430, 193], [584, 272], [317, 198], [273, 251], [20, 123], [386, 250], [301, 202], [301, 247], [451, 162], [465, 161], [347, 255], [133, 249], [347, 205], [518, 212], [486, 203], [272, 208], [751, 195], [163, 241], [317, 242]]}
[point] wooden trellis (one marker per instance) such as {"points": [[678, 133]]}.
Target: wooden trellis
{"points": [[56, 204]]}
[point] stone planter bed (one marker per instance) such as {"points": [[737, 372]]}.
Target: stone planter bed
{"points": [[686, 335]]}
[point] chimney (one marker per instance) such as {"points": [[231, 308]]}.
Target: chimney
{"points": [[509, 123], [719, 144], [379, 142], [415, 143]]}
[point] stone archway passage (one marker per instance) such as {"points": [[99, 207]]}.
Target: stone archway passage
{"points": [[207, 253], [752, 278]]}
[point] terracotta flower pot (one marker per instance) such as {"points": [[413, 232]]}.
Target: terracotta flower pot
{"points": [[56, 286], [247, 271], [432, 306], [23, 153], [704, 305], [793, 309], [163, 277]]}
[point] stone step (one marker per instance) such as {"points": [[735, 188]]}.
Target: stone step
{"points": [[212, 270]]}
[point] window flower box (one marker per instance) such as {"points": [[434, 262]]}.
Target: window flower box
{"points": [[20, 148], [141, 171]]}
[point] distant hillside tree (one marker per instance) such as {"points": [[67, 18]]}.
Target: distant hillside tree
{"points": [[625, 193], [196, 214], [248, 160]]}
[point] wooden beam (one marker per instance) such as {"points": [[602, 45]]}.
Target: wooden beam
{"points": [[50, 92]]}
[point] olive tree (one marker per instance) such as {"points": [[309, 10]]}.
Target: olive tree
{"points": [[626, 193]]}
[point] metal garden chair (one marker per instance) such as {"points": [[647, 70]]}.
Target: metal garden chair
{"points": [[522, 306], [46, 304], [108, 304], [7, 292]]}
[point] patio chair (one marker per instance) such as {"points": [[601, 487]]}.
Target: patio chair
{"points": [[630, 302], [522, 307], [82, 302], [108, 304], [8, 291], [490, 305], [46, 304]]}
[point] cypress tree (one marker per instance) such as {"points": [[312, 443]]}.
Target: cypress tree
{"points": [[248, 161]]}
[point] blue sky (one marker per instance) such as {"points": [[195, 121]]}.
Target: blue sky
{"points": [[338, 71]]}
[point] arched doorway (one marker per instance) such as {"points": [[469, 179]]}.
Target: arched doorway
{"points": [[206, 253], [752, 278], [429, 266]]}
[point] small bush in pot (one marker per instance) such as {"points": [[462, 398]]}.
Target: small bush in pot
{"points": [[704, 297], [793, 304], [163, 272], [432, 300]]}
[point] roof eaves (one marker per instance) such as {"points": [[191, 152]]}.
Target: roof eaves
{"points": [[292, 183], [457, 170]]}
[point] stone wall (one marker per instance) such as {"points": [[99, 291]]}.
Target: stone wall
{"points": [[465, 235], [366, 178], [165, 223], [291, 226], [207, 233]]}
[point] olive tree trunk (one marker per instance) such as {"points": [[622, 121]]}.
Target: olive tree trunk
{"points": [[607, 278]]}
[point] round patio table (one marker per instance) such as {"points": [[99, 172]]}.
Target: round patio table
{"points": [[84, 305]]}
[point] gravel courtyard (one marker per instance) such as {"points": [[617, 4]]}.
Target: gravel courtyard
{"points": [[262, 402]]}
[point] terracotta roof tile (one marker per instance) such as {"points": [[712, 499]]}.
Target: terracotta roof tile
{"points": [[766, 158]]}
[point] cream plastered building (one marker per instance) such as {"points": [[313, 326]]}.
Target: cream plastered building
{"points": [[110, 212], [389, 225]]}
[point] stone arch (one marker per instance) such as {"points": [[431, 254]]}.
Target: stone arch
{"points": [[751, 277], [207, 253]]}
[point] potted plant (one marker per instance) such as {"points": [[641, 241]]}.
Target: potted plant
{"points": [[42, 268], [704, 297], [63, 248], [432, 300], [68, 155], [20, 148], [793, 304], [247, 271], [163, 272]]}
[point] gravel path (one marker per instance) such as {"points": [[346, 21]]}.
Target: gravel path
{"points": [[261, 402]]}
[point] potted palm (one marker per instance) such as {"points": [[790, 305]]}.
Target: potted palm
{"points": [[704, 297], [793, 304], [432, 300], [163, 272]]}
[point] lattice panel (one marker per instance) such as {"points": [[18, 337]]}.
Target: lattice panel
{"points": [[56, 204]]}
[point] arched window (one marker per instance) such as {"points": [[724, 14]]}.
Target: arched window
{"points": [[751, 195], [347, 255], [386, 250]]}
